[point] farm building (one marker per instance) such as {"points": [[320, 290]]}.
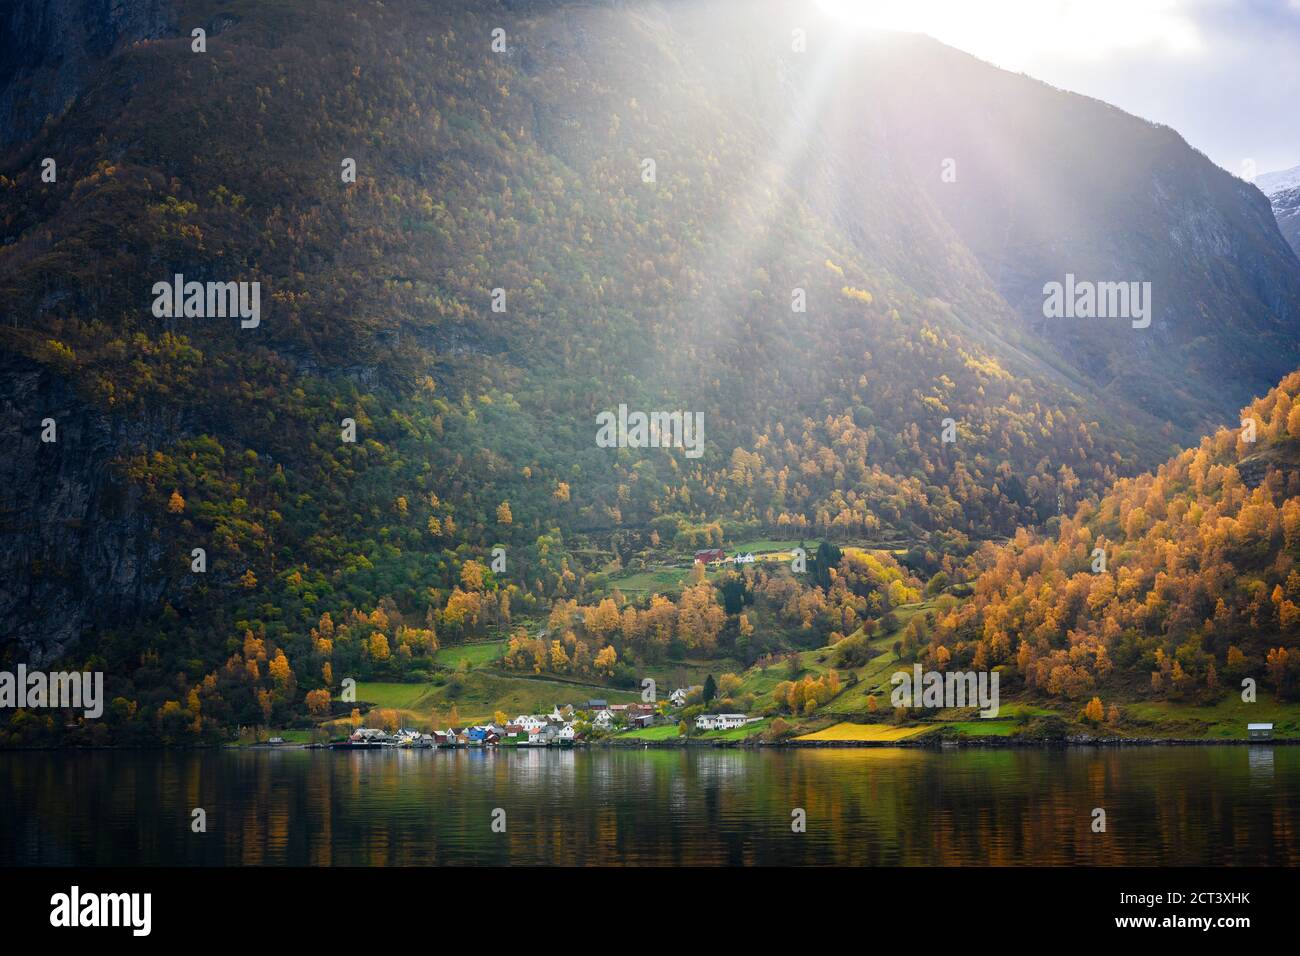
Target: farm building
{"points": [[720, 721], [1260, 731]]}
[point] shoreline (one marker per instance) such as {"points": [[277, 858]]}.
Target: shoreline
{"points": [[977, 743]]}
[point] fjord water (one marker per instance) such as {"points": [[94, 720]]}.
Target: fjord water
{"points": [[1164, 805]]}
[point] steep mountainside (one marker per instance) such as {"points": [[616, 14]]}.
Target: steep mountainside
{"points": [[1196, 584], [1050, 183], [1283, 192], [50, 48], [1270, 184], [1286, 209], [779, 179]]}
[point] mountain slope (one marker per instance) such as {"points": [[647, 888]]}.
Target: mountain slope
{"points": [[1286, 209], [1050, 183], [1198, 587], [49, 49], [519, 171], [525, 171], [1270, 184]]}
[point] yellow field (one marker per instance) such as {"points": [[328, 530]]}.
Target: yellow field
{"points": [[847, 731]]}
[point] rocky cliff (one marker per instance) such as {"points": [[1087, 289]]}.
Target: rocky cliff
{"points": [[76, 551], [50, 48], [1286, 208]]}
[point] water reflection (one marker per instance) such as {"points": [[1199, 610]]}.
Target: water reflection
{"points": [[1261, 763], [868, 807]]}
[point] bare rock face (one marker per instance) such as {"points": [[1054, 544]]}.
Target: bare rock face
{"points": [[1286, 208], [76, 552], [48, 48]]}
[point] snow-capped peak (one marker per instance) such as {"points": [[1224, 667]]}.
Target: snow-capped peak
{"points": [[1272, 183]]}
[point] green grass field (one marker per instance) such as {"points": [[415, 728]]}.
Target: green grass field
{"points": [[657, 581], [981, 728], [399, 696], [670, 580], [691, 672], [738, 733], [769, 544], [482, 652], [873, 677], [659, 732], [262, 735], [1225, 720]]}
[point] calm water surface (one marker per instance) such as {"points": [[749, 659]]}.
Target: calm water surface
{"points": [[1164, 805]]}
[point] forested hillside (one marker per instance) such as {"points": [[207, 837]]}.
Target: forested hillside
{"points": [[1196, 587], [782, 272]]}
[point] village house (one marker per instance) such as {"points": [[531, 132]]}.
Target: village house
{"points": [[543, 735], [720, 721], [514, 734], [678, 697], [629, 710], [710, 555], [529, 721]]}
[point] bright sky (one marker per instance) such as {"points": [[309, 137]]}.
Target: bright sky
{"points": [[1224, 73]]}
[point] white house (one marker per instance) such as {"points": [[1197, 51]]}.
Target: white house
{"points": [[603, 719], [720, 721], [566, 733], [529, 722], [678, 697], [540, 736]]}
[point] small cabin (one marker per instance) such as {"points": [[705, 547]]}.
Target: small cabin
{"points": [[1260, 731]]}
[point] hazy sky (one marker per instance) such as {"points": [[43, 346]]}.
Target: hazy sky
{"points": [[1224, 73]]}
